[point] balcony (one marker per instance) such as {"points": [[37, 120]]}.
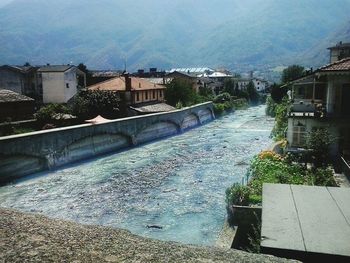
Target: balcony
{"points": [[307, 108]]}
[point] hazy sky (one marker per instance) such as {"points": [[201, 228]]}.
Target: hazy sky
{"points": [[4, 2]]}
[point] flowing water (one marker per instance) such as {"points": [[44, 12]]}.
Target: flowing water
{"points": [[173, 189]]}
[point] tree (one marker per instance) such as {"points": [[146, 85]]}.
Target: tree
{"points": [[88, 104], [206, 92], [180, 91], [319, 142], [277, 93], [229, 87], [252, 93], [87, 72], [292, 72]]}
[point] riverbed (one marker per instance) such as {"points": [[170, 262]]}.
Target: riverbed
{"points": [[173, 189]]}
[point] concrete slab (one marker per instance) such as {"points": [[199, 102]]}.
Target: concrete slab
{"points": [[342, 198], [280, 224], [312, 221], [324, 227]]}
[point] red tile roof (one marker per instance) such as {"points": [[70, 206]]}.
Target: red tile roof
{"points": [[118, 84], [341, 65]]}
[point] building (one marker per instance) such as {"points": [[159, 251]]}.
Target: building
{"points": [[60, 82], [47, 84], [15, 106], [242, 83], [339, 51], [260, 84], [321, 99], [138, 94], [20, 79], [152, 73], [193, 71]]}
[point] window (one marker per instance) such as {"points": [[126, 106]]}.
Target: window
{"points": [[154, 94], [160, 94], [67, 85], [137, 96], [146, 95], [299, 136]]}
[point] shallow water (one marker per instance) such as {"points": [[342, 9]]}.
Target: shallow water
{"points": [[177, 184]]}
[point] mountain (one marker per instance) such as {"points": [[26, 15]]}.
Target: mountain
{"points": [[317, 55], [237, 34]]}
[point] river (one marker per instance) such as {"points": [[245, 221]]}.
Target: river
{"points": [[173, 189]]}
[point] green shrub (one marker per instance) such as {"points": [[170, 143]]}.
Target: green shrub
{"points": [[270, 107], [223, 97], [281, 120], [239, 104], [237, 195], [321, 177], [46, 113], [88, 104], [318, 143]]}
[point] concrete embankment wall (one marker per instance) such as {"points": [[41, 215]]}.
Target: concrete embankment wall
{"points": [[29, 153]]}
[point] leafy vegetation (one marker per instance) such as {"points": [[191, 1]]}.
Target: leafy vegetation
{"points": [[269, 167], [281, 119], [253, 94], [318, 143], [47, 113], [270, 107], [180, 92], [277, 93], [224, 102], [238, 194], [292, 73], [88, 104]]}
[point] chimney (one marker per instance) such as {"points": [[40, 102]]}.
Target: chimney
{"points": [[127, 81]]}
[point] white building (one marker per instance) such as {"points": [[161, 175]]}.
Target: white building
{"points": [[60, 83], [260, 84]]}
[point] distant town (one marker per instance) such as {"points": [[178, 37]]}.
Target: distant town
{"points": [[25, 89]]}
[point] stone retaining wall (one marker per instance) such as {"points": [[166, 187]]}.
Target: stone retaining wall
{"points": [[29, 153]]}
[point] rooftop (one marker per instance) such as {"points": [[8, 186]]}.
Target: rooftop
{"points": [[118, 84], [55, 68], [340, 45], [341, 65], [186, 74], [193, 70], [11, 96], [153, 108], [21, 69]]}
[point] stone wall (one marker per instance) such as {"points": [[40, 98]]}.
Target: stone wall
{"points": [[25, 154]]}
